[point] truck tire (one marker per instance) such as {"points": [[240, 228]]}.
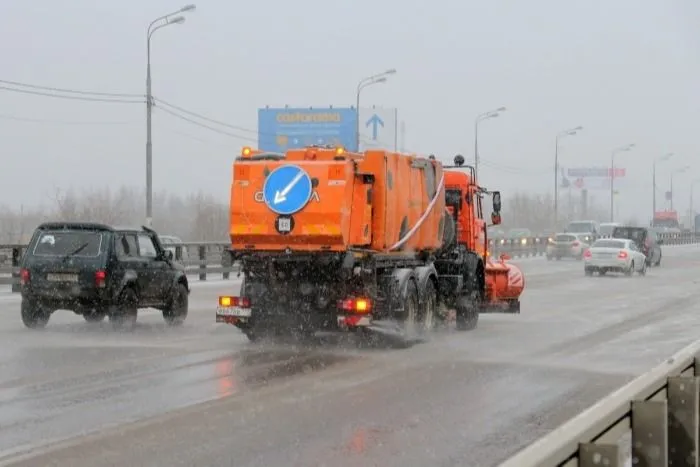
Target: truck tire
{"points": [[410, 321], [468, 311], [428, 309], [469, 304]]}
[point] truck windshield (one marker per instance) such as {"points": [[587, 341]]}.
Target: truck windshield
{"points": [[580, 227]]}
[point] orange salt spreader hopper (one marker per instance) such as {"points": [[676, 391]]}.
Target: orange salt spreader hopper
{"points": [[326, 199]]}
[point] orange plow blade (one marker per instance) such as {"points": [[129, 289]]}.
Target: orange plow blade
{"points": [[505, 283]]}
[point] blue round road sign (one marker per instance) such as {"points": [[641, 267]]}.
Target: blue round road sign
{"points": [[287, 189]]}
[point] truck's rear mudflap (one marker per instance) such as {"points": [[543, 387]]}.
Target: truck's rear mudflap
{"points": [[348, 314]]}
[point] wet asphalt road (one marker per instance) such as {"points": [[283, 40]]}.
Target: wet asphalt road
{"points": [[202, 396]]}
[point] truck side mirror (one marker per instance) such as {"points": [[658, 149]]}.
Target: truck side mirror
{"points": [[495, 218], [497, 201]]}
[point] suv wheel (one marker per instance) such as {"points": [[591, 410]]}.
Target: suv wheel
{"points": [[123, 316], [176, 312], [33, 315]]}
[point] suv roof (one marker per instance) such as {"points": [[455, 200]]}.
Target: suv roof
{"points": [[88, 226]]}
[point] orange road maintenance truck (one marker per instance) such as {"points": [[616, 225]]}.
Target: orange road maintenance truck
{"points": [[373, 241]]}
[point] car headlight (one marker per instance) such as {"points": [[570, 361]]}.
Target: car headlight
{"points": [[523, 241]]}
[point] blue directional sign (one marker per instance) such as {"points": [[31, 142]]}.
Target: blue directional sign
{"points": [[287, 189], [374, 121], [290, 128]]}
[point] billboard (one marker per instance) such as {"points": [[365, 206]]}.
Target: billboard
{"points": [[289, 128], [594, 172], [378, 128], [589, 178]]}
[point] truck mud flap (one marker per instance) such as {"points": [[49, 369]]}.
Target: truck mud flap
{"points": [[506, 306], [391, 331]]}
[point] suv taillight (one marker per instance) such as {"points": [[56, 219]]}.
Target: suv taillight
{"points": [[24, 276], [100, 279]]}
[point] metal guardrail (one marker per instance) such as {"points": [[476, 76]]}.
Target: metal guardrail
{"points": [[199, 258], [660, 410], [210, 257], [537, 246]]}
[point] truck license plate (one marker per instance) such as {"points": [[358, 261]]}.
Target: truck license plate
{"points": [[235, 311]]}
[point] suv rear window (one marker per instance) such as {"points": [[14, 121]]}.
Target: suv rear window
{"points": [[66, 242], [632, 233]]}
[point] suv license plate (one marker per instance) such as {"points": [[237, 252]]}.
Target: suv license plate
{"points": [[62, 277], [236, 311]]}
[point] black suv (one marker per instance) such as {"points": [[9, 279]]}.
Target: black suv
{"points": [[645, 239], [96, 270]]}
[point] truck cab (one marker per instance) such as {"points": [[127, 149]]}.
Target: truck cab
{"points": [[464, 200]]}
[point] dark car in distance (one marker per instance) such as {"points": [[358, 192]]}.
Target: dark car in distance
{"points": [[645, 238], [96, 270]]}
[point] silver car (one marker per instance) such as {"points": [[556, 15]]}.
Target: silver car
{"points": [[614, 255], [567, 245], [169, 243]]}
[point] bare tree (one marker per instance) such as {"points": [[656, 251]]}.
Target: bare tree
{"points": [[194, 218], [536, 212], [202, 217]]}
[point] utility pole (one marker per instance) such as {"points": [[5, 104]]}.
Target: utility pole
{"points": [[665, 157], [612, 177], [363, 83], [149, 102], [480, 118], [561, 134], [677, 171]]}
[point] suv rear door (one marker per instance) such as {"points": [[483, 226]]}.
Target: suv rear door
{"points": [[63, 262]]}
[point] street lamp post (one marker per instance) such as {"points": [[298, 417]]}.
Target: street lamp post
{"points": [[691, 214], [562, 134], [480, 118], [364, 82], [679, 170], [665, 157], [612, 177], [152, 28]]}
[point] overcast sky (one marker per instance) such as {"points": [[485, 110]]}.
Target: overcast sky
{"points": [[627, 70]]}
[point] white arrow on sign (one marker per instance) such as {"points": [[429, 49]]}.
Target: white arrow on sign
{"points": [[281, 196]]}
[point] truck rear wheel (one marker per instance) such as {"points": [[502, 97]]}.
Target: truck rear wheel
{"points": [[428, 310], [468, 311], [410, 321]]}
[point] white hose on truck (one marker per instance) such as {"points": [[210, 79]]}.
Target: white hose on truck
{"points": [[422, 219]]}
